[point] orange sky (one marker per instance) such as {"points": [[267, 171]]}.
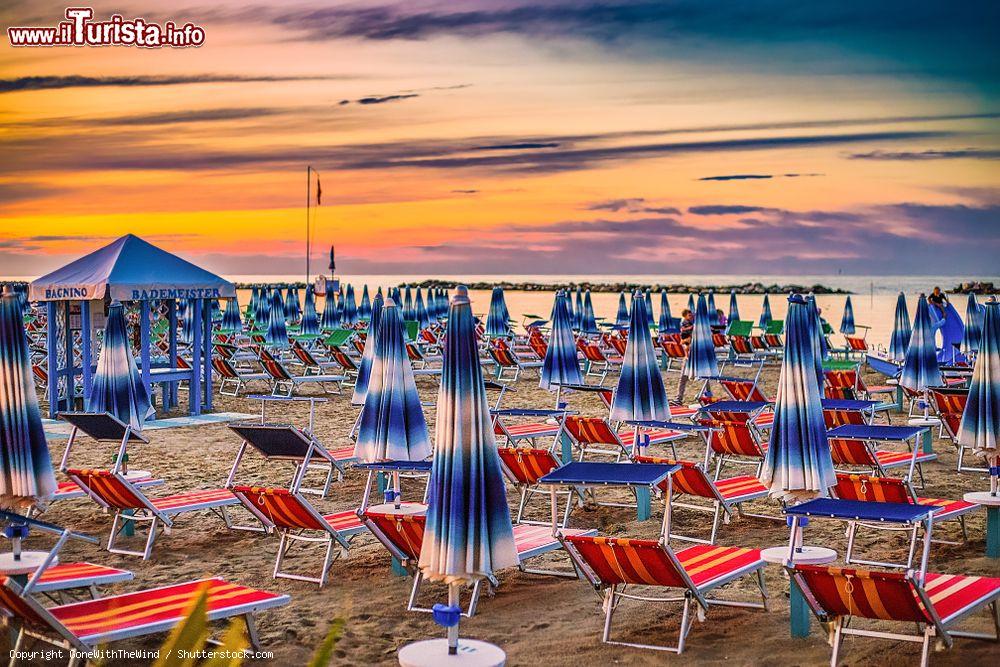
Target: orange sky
{"points": [[501, 141]]}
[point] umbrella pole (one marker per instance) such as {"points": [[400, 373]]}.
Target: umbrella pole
{"points": [[453, 630], [396, 495]]}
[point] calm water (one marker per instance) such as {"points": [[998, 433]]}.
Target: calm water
{"points": [[873, 297]]}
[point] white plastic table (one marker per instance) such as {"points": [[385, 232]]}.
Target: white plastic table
{"points": [[992, 505], [18, 570], [434, 653]]}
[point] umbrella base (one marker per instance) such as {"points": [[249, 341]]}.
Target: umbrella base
{"points": [[433, 652]]}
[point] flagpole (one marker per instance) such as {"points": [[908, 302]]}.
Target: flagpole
{"points": [[308, 197]]}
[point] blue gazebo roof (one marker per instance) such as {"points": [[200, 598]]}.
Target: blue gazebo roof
{"points": [[130, 269]]}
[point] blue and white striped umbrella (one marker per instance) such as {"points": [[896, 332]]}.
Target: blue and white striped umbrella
{"points": [[578, 312], [215, 310], [251, 310], [701, 361], [276, 335], [641, 395], [423, 317], [920, 368], [734, 307], [468, 533], [350, 316], [330, 317], [365, 307], [824, 349], [118, 388], [666, 321], [392, 420], [341, 302], [798, 465], [186, 313], [847, 322], [364, 368], [26, 477], [974, 314], [713, 312], [407, 304], [498, 319], [231, 321], [980, 427], [561, 365], [622, 318], [817, 338], [650, 322], [692, 306], [310, 323], [901, 331], [765, 313], [262, 310], [570, 309], [292, 308], [588, 324]]}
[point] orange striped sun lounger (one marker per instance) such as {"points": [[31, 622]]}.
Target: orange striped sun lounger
{"points": [[85, 625], [594, 436], [690, 482], [935, 603], [68, 489], [292, 517], [868, 488], [402, 535], [70, 576], [950, 405], [112, 491], [613, 564], [524, 467], [233, 379], [283, 383], [855, 445]]}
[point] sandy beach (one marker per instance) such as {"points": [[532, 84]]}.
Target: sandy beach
{"points": [[536, 619]]}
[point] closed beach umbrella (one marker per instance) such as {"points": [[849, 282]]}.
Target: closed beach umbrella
{"points": [[980, 427], [692, 306], [292, 308], [798, 465], [920, 368], [118, 388], [423, 317], [569, 308], [276, 335], [340, 307], [560, 365], [392, 421], [26, 477], [622, 318], [364, 368], [901, 330], [262, 310], [765, 313], [973, 326], [823, 347], [310, 323], [847, 321], [497, 320], [650, 323], [579, 308], [666, 321], [215, 309], [186, 312], [330, 319], [231, 318], [713, 312], [407, 304], [254, 300], [734, 307], [641, 395], [350, 316], [365, 307], [468, 534], [701, 361], [588, 324]]}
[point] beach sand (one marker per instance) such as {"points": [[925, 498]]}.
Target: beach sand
{"points": [[536, 619]]}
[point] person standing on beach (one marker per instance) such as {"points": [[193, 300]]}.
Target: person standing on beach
{"points": [[687, 325]]}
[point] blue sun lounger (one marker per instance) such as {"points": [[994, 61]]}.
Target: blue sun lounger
{"points": [[909, 517], [639, 477]]}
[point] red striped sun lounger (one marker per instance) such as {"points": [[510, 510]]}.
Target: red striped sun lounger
{"points": [[690, 482], [594, 436], [613, 564], [86, 625], [403, 534], [292, 516], [112, 491], [524, 467], [70, 576], [935, 604]]}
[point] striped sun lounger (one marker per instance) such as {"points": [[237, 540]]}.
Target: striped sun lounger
{"points": [[69, 576], [935, 603], [611, 565], [85, 625]]}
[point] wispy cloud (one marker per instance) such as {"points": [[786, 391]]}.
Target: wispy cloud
{"points": [[25, 83], [631, 205], [753, 177], [918, 156], [380, 99]]}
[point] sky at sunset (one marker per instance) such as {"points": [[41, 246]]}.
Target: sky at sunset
{"points": [[512, 137]]}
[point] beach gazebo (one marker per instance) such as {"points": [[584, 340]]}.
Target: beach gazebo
{"points": [[144, 277]]}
